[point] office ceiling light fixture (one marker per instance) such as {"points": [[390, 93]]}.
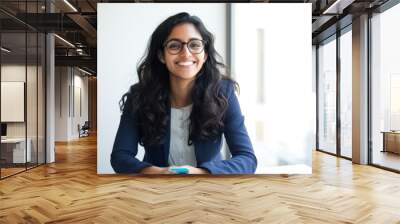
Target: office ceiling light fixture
{"points": [[70, 5], [338, 6], [5, 50], [64, 40], [86, 72]]}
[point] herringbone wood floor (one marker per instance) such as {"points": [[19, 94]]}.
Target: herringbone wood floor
{"points": [[70, 191]]}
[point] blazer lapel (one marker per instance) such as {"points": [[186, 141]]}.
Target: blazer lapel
{"points": [[197, 147]]}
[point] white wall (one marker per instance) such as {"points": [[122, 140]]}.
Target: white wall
{"points": [[68, 82], [61, 103], [16, 73], [80, 109], [123, 33]]}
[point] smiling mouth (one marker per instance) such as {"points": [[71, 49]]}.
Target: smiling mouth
{"points": [[185, 63]]}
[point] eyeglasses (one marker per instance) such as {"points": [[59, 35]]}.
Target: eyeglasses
{"points": [[195, 46]]}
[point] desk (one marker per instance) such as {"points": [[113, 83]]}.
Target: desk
{"points": [[15, 148], [391, 141]]}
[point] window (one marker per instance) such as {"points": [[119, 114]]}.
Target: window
{"points": [[327, 95], [346, 93], [385, 85]]}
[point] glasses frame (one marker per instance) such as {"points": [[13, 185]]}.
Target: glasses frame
{"points": [[183, 44]]}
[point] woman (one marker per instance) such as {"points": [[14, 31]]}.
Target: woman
{"points": [[181, 106]]}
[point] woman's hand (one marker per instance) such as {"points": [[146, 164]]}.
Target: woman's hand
{"points": [[165, 170], [194, 170], [155, 170]]}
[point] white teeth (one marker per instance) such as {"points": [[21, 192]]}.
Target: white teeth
{"points": [[185, 63]]}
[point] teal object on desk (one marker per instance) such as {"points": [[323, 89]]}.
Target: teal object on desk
{"points": [[179, 170]]}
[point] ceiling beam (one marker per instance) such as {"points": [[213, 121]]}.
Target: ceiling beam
{"points": [[337, 6], [83, 23], [85, 61]]}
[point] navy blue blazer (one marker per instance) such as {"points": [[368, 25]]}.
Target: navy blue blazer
{"points": [[208, 156]]}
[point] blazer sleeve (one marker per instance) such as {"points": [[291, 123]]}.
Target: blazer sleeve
{"points": [[243, 160], [126, 146]]}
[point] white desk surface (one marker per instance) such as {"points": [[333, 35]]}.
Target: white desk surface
{"points": [[13, 140], [21, 154]]}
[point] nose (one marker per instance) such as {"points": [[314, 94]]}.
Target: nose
{"points": [[185, 50]]}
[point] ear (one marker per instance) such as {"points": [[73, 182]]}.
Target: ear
{"points": [[205, 56], [161, 57]]}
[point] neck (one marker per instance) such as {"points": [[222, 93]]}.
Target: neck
{"points": [[180, 92]]}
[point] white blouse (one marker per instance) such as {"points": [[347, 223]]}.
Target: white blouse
{"points": [[180, 153]]}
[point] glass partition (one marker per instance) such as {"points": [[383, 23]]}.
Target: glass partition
{"points": [[22, 79], [13, 95], [41, 87], [31, 100]]}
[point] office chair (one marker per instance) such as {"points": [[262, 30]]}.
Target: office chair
{"points": [[84, 130]]}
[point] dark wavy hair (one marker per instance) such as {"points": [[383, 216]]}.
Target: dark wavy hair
{"points": [[149, 99]]}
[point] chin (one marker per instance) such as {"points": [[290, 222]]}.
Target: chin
{"points": [[192, 77], [188, 76]]}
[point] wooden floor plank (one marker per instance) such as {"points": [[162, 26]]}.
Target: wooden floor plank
{"points": [[70, 191]]}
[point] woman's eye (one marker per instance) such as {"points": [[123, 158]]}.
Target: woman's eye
{"points": [[195, 45], [174, 46]]}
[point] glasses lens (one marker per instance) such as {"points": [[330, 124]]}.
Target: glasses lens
{"points": [[174, 47], [195, 46]]}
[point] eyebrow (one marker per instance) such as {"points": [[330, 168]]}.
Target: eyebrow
{"points": [[181, 40]]}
